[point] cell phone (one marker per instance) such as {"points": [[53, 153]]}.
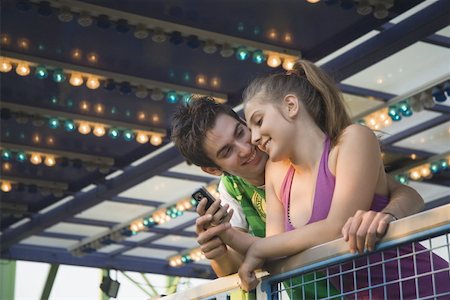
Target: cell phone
{"points": [[203, 193]]}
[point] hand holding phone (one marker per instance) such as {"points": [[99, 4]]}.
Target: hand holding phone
{"points": [[203, 193], [220, 214]]}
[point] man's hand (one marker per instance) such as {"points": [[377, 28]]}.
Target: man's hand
{"points": [[365, 229], [207, 236], [220, 214]]}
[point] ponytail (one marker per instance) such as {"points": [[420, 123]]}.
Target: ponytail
{"points": [[317, 91]]}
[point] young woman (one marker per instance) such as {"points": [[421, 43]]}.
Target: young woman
{"points": [[322, 169]]}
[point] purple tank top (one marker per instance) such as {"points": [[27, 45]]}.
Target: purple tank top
{"points": [[323, 196]]}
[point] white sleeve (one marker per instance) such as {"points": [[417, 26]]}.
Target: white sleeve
{"points": [[238, 219]]}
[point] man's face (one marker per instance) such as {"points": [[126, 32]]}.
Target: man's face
{"points": [[228, 145]]}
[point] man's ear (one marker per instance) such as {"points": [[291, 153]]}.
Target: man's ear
{"points": [[212, 170], [291, 105]]}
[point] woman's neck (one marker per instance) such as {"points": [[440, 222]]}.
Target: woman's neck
{"points": [[308, 147]]}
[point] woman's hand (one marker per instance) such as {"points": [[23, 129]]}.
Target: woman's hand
{"points": [[247, 270]]}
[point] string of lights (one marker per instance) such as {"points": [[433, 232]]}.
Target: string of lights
{"points": [[143, 223], [87, 15], [94, 78], [404, 106], [57, 189], [85, 124], [424, 170]]}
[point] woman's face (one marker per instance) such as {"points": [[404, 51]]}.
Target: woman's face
{"points": [[270, 129]]}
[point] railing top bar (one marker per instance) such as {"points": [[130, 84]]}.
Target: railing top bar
{"points": [[427, 220], [413, 224]]}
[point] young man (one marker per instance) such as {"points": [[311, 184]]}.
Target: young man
{"points": [[214, 137]]}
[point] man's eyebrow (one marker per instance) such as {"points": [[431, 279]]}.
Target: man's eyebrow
{"points": [[236, 128]]}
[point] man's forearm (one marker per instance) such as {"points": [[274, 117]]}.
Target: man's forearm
{"points": [[404, 200], [227, 264]]}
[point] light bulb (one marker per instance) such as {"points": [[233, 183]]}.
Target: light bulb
{"points": [[6, 186], [415, 175], [84, 128], [142, 138], [273, 61], [156, 140], [23, 69], [5, 65], [50, 160], [76, 79], [93, 83], [288, 64], [99, 130], [35, 159]]}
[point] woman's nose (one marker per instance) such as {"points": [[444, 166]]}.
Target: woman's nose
{"points": [[256, 137]]}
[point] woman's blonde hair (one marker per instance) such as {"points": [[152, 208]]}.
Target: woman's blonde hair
{"points": [[317, 91]]}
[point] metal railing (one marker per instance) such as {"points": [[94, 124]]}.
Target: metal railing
{"points": [[410, 262]]}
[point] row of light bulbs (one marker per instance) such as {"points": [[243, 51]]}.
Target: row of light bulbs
{"points": [[379, 8], [395, 112], [23, 68], [158, 217], [190, 256], [425, 171], [100, 130], [158, 35], [36, 158], [7, 186]]}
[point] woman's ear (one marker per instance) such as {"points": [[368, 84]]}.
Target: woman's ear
{"points": [[292, 105]]}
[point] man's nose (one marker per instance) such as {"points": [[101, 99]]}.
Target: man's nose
{"points": [[245, 148]]}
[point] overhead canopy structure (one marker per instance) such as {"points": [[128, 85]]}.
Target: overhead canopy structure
{"points": [[88, 89]]}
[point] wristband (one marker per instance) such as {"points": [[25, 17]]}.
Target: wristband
{"points": [[391, 214]]}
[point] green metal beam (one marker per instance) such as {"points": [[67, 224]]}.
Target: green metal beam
{"points": [[8, 278], [103, 296], [136, 283], [50, 280]]}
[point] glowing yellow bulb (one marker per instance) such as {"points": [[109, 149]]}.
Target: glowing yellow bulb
{"points": [[156, 140], [272, 34], [155, 119], [76, 53], [142, 138], [5, 65], [273, 61], [288, 64], [92, 57], [5, 39], [35, 159], [23, 43], [36, 138], [99, 108], [415, 175], [50, 140], [413, 156], [93, 83], [215, 82], [6, 166], [76, 79], [141, 116], [287, 37], [99, 130], [313, 1], [84, 128], [425, 171], [201, 79], [6, 186], [50, 161], [84, 105], [23, 69]]}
